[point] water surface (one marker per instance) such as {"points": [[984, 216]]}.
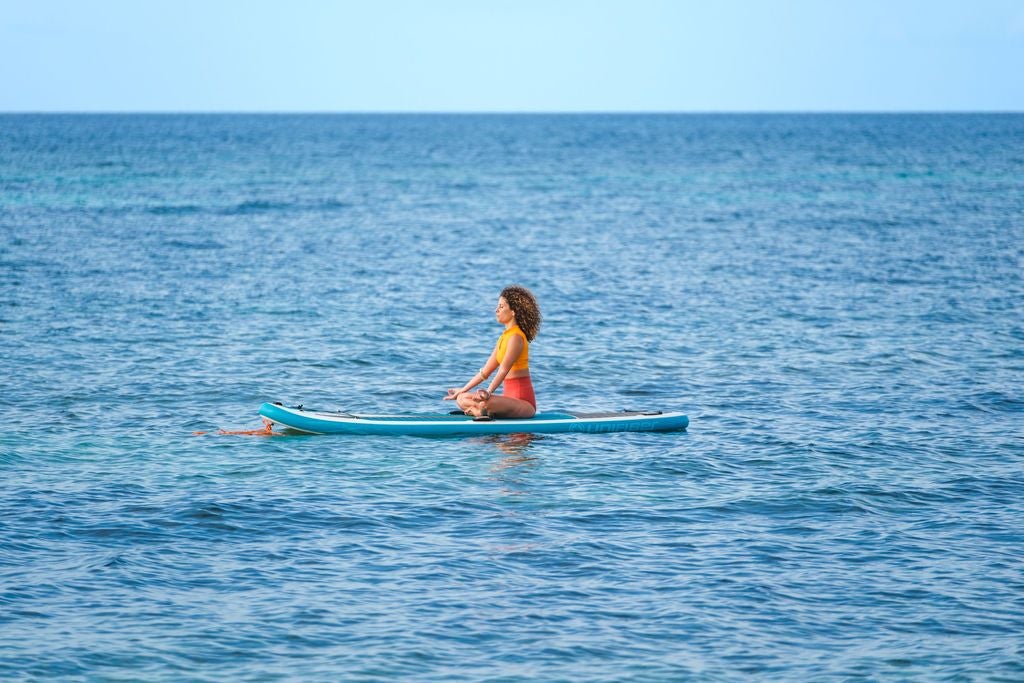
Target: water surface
{"points": [[834, 300]]}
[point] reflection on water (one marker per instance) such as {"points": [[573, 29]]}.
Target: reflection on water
{"points": [[512, 462], [517, 460], [512, 444]]}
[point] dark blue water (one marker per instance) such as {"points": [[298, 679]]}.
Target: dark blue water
{"points": [[836, 301]]}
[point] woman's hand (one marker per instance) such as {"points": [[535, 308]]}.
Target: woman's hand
{"points": [[453, 394]]}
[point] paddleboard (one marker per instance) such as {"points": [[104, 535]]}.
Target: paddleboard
{"points": [[439, 424]]}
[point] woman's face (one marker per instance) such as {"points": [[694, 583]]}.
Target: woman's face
{"points": [[503, 312]]}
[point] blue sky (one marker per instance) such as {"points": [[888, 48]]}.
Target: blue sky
{"points": [[458, 55]]}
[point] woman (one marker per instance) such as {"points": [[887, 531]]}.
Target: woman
{"points": [[518, 311]]}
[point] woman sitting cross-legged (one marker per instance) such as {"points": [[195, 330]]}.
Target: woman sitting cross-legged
{"points": [[518, 311]]}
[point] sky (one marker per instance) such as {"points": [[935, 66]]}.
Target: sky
{"points": [[511, 56]]}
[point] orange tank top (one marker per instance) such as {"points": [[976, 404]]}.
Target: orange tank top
{"points": [[523, 362]]}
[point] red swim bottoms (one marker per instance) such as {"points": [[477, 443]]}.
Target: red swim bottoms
{"points": [[521, 388]]}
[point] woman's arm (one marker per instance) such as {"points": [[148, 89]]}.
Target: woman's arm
{"points": [[512, 352], [480, 376]]}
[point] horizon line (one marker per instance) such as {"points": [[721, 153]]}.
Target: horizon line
{"points": [[457, 112]]}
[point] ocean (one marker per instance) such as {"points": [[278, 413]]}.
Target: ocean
{"points": [[835, 301]]}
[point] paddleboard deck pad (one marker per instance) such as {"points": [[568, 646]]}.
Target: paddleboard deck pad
{"points": [[440, 424]]}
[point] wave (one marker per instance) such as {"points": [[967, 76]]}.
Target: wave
{"points": [[174, 209], [247, 208]]}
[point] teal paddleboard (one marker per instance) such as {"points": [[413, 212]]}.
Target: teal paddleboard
{"points": [[435, 424]]}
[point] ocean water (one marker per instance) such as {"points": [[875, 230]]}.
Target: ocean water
{"points": [[835, 300]]}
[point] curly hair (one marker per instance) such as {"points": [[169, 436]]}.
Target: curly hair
{"points": [[524, 304]]}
